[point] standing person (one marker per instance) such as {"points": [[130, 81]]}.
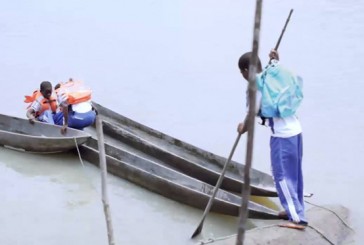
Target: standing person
{"points": [[278, 97], [75, 102], [43, 105]]}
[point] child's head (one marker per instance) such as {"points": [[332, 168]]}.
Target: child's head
{"points": [[46, 89], [244, 63]]}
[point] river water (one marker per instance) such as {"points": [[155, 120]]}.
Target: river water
{"points": [[172, 65]]}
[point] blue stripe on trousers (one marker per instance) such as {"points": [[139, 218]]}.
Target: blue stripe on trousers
{"points": [[286, 159]]}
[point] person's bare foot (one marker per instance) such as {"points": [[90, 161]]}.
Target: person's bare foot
{"points": [[298, 226]]}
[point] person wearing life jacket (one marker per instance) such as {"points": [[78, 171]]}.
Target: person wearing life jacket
{"points": [[279, 95], [43, 105], [75, 102]]}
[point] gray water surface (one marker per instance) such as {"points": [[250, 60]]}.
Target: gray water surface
{"points": [[172, 65]]}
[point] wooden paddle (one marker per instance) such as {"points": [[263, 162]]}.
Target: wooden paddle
{"points": [[209, 204], [211, 200]]}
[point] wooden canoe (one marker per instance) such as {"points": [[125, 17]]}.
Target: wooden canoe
{"points": [[168, 182], [180, 155], [17, 133]]}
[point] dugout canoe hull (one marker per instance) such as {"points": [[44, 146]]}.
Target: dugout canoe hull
{"points": [[17, 133], [168, 182], [181, 156]]}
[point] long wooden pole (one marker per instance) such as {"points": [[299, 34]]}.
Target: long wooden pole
{"points": [[283, 30], [103, 167], [217, 186], [251, 118], [243, 216]]}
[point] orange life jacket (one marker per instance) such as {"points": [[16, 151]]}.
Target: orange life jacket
{"points": [[46, 104], [76, 92]]}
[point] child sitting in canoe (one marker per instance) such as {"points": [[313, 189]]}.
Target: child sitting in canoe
{"points": [[74, 100], [43, 105]]}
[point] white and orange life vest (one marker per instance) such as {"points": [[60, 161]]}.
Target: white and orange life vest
{"points": [[45, 104], [74, 92]]}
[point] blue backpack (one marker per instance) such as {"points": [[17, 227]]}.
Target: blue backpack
{"points": [[281, 91]]}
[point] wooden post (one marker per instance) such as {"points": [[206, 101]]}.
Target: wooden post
{"points": [[103, 167], [243, 216]]}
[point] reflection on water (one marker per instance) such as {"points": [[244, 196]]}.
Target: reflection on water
{"points": [[32, 165], [59, 169], [268, 202], [72, 193]]}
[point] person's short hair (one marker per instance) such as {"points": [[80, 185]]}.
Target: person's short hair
{"points": [[244, 61], [45, 85]]}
